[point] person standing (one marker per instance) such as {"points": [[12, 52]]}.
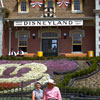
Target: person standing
{"points": [[52, 92], [37, 94]]}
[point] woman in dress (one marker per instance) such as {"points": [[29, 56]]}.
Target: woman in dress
{"points": [[37, 94]]}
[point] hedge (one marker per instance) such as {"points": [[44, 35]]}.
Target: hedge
{"points": [[83, 91], [80, 73], [43, 58]]}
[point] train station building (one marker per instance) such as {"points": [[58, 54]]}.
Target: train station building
{"points": [[56, 27]]}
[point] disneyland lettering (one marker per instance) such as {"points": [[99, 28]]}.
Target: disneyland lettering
{"points": [[49, 23]]}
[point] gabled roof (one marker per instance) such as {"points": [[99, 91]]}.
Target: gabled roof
{"points": [[12, 6]]}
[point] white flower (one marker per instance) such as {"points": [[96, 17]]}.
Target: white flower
{"points": [[37, 71]]}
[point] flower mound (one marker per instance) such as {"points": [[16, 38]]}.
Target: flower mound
{"points": [[60, 66], [29, 73]]}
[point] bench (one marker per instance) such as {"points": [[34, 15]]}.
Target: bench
{"points": [[76, 54], [29, 54], [73, 54]]}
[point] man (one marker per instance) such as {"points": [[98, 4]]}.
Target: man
{"points": [[20, 52], [52, 92], [12, 53]]}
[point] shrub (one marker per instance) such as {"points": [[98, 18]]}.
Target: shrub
{"points": [[82, 72], [84, 90], [43, 58]]}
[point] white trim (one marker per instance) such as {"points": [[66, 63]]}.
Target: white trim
{"points": [[2, 3], [97, 35], [77, 11], [22, 12], [1, 35]]}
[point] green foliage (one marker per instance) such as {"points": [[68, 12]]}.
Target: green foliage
{"points": [[83, 91], [81, 73], [43, 58], [66, 80]]}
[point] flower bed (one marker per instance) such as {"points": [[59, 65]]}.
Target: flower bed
{"points": [[90, 81], [61, 66], [10, 85], [27, 72], [79, 73]]}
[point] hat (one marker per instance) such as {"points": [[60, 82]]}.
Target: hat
{"points": [[51, 81]]}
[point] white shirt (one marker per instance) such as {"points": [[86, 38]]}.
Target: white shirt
{"points": [[20, 53], [12, 53]]}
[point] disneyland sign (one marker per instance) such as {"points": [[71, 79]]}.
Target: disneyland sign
{"points": [[49, 23]]}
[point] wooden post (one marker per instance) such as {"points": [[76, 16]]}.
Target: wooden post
{"points": [[22, 90]]}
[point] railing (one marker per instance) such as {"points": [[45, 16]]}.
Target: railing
{"points": [[68, 93], [15, 93], [48, 12]]}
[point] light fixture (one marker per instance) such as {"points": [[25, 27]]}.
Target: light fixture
{"points": [[33, 35], [65, 34], [8, 20]]}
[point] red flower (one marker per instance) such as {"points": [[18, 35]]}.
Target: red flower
{"points": [[5, 85], [1, 85], [10, 85]]}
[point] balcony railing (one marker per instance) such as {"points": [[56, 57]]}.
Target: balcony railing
{"points": [[48, 12]]}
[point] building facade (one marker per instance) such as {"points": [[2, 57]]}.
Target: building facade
{"points": [[55, 27]]}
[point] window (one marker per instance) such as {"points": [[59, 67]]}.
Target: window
{"points": [[54, 45], [76, 38], [77, 6], [50, 3], [23, 6], [77, 42], [22, 43], [49, 34], [49, 8]]}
